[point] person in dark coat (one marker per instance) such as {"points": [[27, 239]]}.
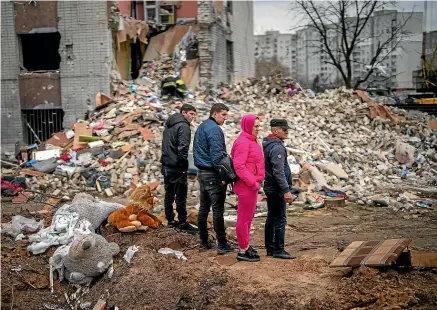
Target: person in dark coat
{"points": [[277, 187], [174, 159], [209, 150]]}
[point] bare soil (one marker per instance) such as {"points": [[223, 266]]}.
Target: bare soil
{"points": [[208, 281]]}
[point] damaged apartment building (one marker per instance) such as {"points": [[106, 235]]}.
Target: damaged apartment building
{"points": [[57, 55]]}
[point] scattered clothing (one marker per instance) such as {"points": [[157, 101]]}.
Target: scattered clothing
{"points": [[11, 186]]}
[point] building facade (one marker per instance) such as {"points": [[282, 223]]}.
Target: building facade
{"points": [[53, 64], [226, 34], [56, 55]]}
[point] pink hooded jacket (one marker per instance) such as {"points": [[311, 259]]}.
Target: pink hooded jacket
{"points": [[248, 159]]}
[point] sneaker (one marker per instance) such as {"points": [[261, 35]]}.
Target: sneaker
{"points": [[283, 255], [225, 249], [269, 252], [248, 256], [187, 228], [253, 251]]}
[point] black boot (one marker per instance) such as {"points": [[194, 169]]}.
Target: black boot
{"points": [[283, 255], [225, 248], [187, 228], [204, 243], [269, 252]]}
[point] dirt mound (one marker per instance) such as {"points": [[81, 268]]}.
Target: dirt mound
{"points": [[206, 281]]}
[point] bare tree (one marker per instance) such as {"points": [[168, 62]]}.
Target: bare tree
{"points": [[269, 66], [342, 26]]}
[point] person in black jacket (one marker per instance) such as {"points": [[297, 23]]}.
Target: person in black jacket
{"points": [[174, 159], [277, 187]]}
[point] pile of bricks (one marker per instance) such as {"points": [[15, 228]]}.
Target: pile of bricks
{"points": [[337, 147]]}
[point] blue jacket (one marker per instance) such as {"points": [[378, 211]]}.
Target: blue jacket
{"points": [[278, 174], [209, 145]]}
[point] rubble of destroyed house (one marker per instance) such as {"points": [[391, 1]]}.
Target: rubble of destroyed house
{"points": [[341, 143]]}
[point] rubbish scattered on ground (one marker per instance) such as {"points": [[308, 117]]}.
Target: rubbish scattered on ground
{"points": [[130, 252], [22, 225], [100, 305], [178, 254], [83, 215]]}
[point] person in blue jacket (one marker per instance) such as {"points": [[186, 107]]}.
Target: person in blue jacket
{"points": [[277, 187], [209, 149]]}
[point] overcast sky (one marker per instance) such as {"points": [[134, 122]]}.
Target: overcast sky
{"points": [[276, 15]]}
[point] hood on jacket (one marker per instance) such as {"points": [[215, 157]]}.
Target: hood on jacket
{"points": [[175, 119], [271, 140], [248, 122]]}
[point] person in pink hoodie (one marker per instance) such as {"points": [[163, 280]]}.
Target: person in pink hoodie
{"points": [[248, 159]]}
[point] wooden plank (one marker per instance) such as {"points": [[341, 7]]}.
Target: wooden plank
{"points": [[371, 253], [386, 253], [32, 172], [353, 254]]}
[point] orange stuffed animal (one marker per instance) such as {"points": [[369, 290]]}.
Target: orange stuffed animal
{"points": [[136, 216]]}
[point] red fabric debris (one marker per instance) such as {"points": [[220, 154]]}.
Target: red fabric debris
{"points": [[9, 188], [65, 157], [102, 162]]}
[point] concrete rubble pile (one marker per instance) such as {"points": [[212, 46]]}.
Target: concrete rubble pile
{"points": [[337, 146], [337, 140]]}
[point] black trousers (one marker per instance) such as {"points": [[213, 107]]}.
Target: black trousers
{"points": [[176, 187], [212, 195], [274, 230]]}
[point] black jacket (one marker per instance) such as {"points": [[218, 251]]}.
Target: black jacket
{"points": [[176, 142], [278, 174]]}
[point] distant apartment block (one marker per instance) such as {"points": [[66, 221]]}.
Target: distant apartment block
{"points": [[312, 62], [281, 46]]}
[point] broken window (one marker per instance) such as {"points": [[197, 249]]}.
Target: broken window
{"points": [[40, 124], [229, 7], [40, 51], [230, 59]]}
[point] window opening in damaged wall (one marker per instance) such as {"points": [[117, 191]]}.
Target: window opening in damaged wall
{"points": [[40, 51]]}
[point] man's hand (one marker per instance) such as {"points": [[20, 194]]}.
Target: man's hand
{"points": [[288, 197]]}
